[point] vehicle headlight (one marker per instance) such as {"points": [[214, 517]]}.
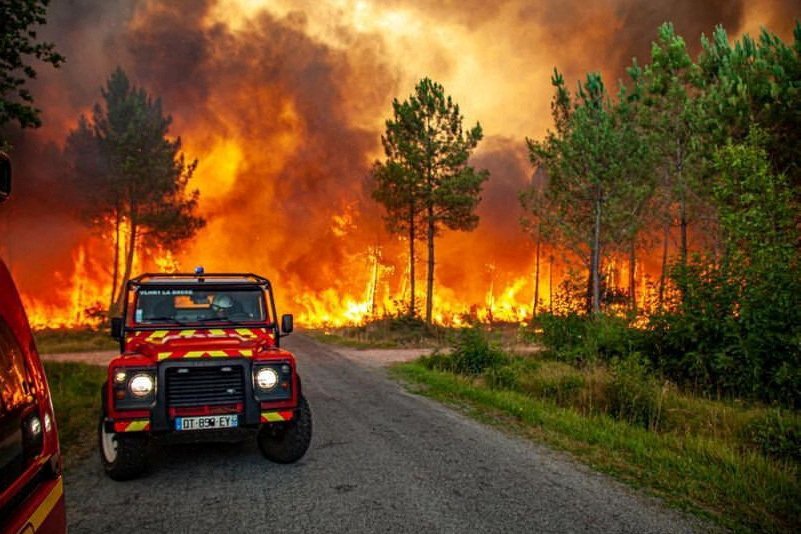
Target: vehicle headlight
{"points": [[141, 385], [266, 378]]}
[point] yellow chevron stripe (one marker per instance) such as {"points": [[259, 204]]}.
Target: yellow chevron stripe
{"points": [[217, 332], [272, 417], [201, 353], [157, 335], [187, 333], [245, 332], [245, 353], [135, 426]]}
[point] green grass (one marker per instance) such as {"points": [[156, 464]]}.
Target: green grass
{"points": [[713, 477], [75, 388], [50, 341]]}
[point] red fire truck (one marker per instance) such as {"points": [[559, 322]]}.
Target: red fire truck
{"points": [[31, 485], [200, 360]]}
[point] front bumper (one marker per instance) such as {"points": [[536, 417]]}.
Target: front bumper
{"points": [[206, 396]]}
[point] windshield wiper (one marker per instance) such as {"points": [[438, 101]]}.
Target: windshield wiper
{"points": [[214, 319]]}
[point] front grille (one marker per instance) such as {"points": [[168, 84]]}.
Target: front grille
{"points": [[198, 386]]}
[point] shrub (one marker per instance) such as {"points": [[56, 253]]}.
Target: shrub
{"points": [[438, 361], [473, 353], [635, 395], [581, 339], [777, 434], [555, 381], [502, 377]]}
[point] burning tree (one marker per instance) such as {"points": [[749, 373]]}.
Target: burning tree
{"points": [[133, 176], [590, 160], [425, 180]]}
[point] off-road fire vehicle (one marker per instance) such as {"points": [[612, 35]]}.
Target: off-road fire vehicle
{"points": [[200, 358]]}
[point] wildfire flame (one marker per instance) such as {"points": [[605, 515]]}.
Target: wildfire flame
{"points": [[283, 104]]}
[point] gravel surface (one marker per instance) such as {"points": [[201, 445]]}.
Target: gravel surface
{"points": [[381, 460]]}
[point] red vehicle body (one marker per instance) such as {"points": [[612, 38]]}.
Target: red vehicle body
{"points": [[31, 484], [184, 369]]}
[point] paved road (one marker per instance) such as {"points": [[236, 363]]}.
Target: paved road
{"points": [[381, 460]]}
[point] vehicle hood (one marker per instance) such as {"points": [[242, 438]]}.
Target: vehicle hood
{"points": [[199, 343]]}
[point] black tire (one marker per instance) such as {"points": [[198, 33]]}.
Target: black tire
{"points": [[124, 456], [288, 444]]}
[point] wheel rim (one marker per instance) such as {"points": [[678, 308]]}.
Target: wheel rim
{"points": [[108, 441]]}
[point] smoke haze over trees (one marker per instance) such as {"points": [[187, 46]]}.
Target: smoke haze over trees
{"points": [[284, 105]]}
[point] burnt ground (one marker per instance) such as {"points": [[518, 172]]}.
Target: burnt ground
{"points": [[381, 460]]}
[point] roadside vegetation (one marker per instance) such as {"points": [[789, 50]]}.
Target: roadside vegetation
{"points": [[75, 388], [385, 333], [55, 340], [403, 332], [732, 461]]}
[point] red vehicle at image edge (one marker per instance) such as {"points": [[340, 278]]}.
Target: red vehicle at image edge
{"points": [[31, 484], [200, 361]]}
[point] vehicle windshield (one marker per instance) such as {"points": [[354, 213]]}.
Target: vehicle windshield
{"points": [[193, 305]]}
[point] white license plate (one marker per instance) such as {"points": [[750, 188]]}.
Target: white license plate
{"points": [[210, 422]]}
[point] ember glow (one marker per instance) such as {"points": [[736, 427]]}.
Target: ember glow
{"points": [[283, 103]]}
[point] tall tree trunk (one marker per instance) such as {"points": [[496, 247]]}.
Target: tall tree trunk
{"points": [[116, 269], [682, 203], [550, 283], [537, 273], [595, 260], [663, 274], [412, 312], [129, 257], [632, 277], [683, 221], [430, 280], [374, 282]]}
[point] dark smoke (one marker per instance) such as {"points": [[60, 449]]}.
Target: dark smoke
{"points": [[271, 79]]}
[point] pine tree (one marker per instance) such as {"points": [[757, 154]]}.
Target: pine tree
{"points": [[135, 176], [425, 180]]}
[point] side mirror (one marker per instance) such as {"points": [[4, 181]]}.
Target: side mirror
{"points": [[287, 323], [5, 177], [116, 328]]}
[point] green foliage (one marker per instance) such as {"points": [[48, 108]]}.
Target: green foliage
{"points": [[18, 44], [425, 183], [554, 381], [579, 339], [502, 377], [55, 340], [590, 159], [777, 434], [704, 153], [76, 399], [473, 352], [737, 329], [635, 394], [755, 82]]}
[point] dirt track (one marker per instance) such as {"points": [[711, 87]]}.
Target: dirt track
{"points": [[381, 460]]}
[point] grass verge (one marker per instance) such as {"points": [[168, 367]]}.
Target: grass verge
{"points": [[742, 490], [75, 389], [52, 340]]}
